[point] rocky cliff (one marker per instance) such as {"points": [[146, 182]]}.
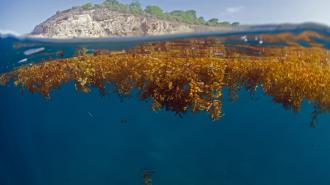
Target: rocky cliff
{"points": [[102, 22]]}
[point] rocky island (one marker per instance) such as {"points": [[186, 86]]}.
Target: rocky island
{"points": [[114, 19]]}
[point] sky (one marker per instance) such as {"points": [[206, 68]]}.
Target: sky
{"points": [[21, 16]]}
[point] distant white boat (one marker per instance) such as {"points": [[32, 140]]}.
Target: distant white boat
{"points": [[33, 51]]}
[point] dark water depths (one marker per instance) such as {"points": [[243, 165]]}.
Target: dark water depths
{"points": [[84, 139]]}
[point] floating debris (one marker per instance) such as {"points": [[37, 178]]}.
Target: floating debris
{"points": [[60, 53], [123, 121], [244, 38], [19, 45], [90, 114], [23, 60], [33, 51], [147, 177]]}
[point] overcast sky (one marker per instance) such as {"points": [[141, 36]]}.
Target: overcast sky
{"points": [[21, 16]]}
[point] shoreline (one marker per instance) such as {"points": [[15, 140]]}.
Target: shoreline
{"points": [[243, 29]]}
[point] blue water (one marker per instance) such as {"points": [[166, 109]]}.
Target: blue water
{"points": [[84, 139]]}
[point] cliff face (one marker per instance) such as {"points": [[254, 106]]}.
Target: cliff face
{"points": [[102, 22]]}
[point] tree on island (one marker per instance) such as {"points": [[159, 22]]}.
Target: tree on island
{"points": [[87, 6], [188, 16], [135, 7], [155, 10], [213, 22]]}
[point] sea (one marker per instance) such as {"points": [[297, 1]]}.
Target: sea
{"points": [[87, 139]]}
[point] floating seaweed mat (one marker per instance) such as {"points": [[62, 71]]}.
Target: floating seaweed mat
{"points": [[191, 82]]}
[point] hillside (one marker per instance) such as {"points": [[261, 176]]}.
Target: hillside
{"points": [[114, 20]]}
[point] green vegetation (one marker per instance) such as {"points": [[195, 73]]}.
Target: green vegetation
{"points": [[188, 16], [115, 5], [155, 10], [135, 7], [213, 21], [235, 23], [87, 6]]}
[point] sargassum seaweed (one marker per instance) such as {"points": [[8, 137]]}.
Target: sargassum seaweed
{"points": [[189, 75]]}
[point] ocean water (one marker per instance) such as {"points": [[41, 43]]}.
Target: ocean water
{"points": [[83, 139]]}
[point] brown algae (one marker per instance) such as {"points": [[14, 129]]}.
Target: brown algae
{"points": [[189, 74]]}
